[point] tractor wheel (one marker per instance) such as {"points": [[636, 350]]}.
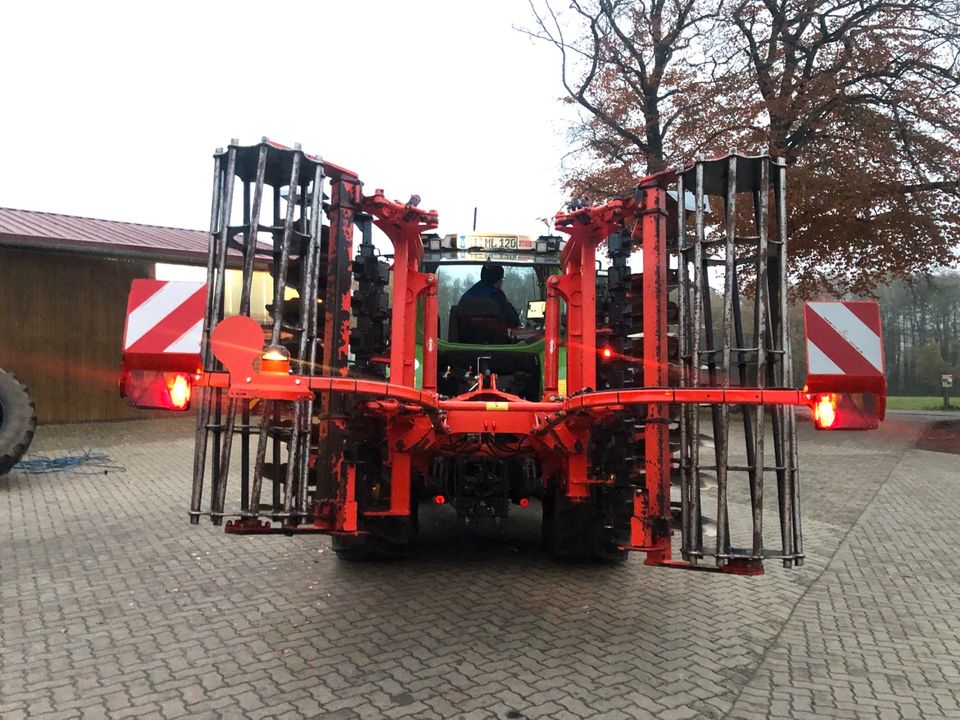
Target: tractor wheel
{"points": [[576, 532], [18, 421], [386, 538]]}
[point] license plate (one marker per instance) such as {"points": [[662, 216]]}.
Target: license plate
{"points": [[500, 243]]}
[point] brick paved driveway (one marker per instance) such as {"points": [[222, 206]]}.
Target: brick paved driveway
{"points": [[111, 605]]}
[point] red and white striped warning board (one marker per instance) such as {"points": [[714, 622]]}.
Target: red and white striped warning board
{"points": [[165, 316], [843, 338]]}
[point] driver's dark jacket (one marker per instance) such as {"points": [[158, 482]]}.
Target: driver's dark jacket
{"points": [[508, 313]]}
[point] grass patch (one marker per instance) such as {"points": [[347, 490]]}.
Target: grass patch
{"points": [[907, 402]]}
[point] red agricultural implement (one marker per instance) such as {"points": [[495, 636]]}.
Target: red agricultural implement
{"points": [[357, 400]]}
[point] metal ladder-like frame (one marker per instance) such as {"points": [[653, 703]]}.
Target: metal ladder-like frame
{"points": [[295, 236], [741, 189]]}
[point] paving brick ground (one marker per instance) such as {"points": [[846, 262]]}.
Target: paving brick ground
{"points": [[111, 605]]}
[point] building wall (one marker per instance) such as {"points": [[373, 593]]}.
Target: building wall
{"points": [[61, 330]]}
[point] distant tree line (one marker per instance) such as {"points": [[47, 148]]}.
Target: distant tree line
{"points": [[921, 332]]}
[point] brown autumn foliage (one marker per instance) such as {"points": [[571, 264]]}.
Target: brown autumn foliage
{"points": [[862, 97]]}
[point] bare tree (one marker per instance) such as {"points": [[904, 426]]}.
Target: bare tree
{"points": [[619, 69], [860, 96]]}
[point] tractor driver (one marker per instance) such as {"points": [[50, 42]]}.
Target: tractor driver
{"points": [[485, 313]]}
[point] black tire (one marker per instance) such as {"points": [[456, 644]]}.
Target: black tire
{"points": [[18, 421], [576, 532], [385, 538]]}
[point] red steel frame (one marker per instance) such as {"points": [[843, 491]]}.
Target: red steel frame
{"points": [[556, 428]]}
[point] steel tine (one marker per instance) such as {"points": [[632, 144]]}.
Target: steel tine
{"points": [[686, 540], [699, 297], [269, 409], [278, 317], [752, 434], [316, 231], [781, 455], [219, 307], [314, 316], [276, 499], [778, 422], [256, 487], [215, 307], [748, 419], [297, 458], [216, 304], [795, 486], [288, 484], [702, 328], [776, 377], [245, 403], [310, 403], [206, 396], [790, 452], [309, 345], [281, 281], [213, 261], [249, 250], [303, 462], [226, 447], [716, 417], [709, 352], [253, 228], [761, 300], [245, 455], [295, 449], [252, 210], [684, 339], [723, 529]]}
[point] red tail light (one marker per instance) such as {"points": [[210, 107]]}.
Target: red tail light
{"points": [[825, 410], [606, 352], [846, 411], [179, 390], [157, 390]]}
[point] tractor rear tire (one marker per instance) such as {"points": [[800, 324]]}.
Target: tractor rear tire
{"points": [[18, 421], [385, 538], [576, 532]]}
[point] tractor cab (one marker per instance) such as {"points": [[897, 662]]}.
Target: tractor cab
{"points": [[474, 339]]}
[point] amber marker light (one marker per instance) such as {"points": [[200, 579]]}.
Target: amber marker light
{"points": [[275, 359]]}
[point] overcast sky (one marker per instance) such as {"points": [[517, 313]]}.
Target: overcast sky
{"points": [[113, 110]]}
